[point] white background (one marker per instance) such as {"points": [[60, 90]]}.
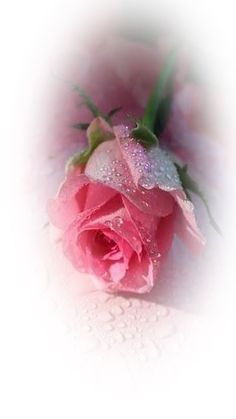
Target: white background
{"points": [[41, 375]]}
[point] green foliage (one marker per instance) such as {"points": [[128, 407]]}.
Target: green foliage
{"points": [[144, 135], [95, 137], [153, 106]]}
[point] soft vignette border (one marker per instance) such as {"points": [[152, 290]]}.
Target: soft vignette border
{"points": [[41, 376]]}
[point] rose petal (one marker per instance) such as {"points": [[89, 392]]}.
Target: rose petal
{"points": [[165, 232], [149, 168], [147, 228], [117, 271], [139, 277], [108, 166], [114, 219], [76, 194], [69, 201]]}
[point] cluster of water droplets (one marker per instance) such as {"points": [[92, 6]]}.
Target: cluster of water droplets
{"points": [[149, 238], [131, 328], [130, 324], [119, 225], [153, 166], [115, 223]]}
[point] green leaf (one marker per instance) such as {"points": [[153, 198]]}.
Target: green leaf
{"points": [[189, 184], [152, 108], [144, 135], [78, 159], [93, 108], [88, 102], [81, 125]]}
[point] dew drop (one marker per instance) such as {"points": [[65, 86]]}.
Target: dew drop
{"points": [[117, 310], [108, 223], [147, 181], [105, 316], [126, 303], [162, 311], [117, 222]]}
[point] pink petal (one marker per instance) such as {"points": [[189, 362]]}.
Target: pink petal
{"points": [[69, 201], [165, 232], [75, 195], [147, 228], [107, 165], [117, 271], [139, 277], [150, 168], [113, 218]]}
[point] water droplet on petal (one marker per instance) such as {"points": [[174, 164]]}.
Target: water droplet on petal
{"points": [[108, 223], [147, 181], [118, 221]]}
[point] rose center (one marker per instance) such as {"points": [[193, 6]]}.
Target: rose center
{"points": [[105, 241], [104, 246]]}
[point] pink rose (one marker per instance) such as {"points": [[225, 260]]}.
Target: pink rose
{"points": [[119, 212]]}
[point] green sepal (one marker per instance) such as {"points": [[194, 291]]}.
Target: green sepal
{"points": [[78, 159], [144, 135], [97, 132], [189, 184], [84, 125], [88, 102]]}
